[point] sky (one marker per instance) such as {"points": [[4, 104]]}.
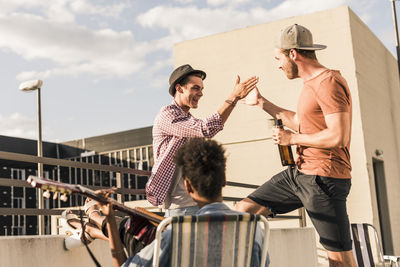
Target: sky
{"points": [[105, 64]]}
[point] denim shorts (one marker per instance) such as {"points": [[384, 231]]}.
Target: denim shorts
{"points": [[324, 199]]}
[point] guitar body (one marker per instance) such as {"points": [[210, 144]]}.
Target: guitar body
{"points": [[141, 232]]}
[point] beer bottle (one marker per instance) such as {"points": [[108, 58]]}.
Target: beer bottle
{"points": [[284, 151]]}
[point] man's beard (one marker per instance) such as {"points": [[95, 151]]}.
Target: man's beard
{"points": [[291, 70]]}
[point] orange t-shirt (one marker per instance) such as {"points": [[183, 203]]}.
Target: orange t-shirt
{"points": [[324, 94]]}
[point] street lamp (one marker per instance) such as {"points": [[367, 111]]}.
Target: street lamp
{"points": [[27, 87], [396, 33]]}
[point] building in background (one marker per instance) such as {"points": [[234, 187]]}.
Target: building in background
{"points": [[371, 72], [132, 149]]}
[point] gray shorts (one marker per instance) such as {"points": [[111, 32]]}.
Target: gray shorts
{"points": [[324, 199]]}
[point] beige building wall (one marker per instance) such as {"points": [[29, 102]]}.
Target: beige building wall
{"points": [[379, 99], [372, 76]]}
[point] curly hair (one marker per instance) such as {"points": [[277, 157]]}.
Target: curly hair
{"points": [[203, 163]]}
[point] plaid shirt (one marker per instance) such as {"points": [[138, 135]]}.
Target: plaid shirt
{"points": [[172, 128]]}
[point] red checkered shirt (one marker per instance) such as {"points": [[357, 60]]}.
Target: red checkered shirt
{"points": [[172, 128]]}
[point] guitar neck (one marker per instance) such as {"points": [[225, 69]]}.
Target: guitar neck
{"points": [[121, 207], [64, 188]]}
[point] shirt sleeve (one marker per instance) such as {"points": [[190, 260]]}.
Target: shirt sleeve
{"points": [[185, 125], [333, 97]]}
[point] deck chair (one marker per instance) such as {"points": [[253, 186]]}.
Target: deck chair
{"points": [[212, 240], [362, 247]]}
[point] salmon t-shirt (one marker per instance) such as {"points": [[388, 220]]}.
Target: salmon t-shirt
{"points": [[327, 93]]}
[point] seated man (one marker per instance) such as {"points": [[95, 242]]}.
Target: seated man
{"points": [[203, 166]]}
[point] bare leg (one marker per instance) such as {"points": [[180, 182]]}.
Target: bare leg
{"points": [[248, 205], [97, 219], [90, 229], [341, 259]]}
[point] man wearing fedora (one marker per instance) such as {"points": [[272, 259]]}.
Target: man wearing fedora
{"points": [[321, 130], [174, 125]]}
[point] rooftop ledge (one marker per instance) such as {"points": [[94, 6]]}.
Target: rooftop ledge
{"points": [[45, 251]]}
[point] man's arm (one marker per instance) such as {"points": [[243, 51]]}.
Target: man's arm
{"points": [[288, 117], [337, 133], [240, 91], [117, 249], [186, 126]]}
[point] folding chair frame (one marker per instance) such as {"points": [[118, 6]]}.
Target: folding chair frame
{"points": [[394, 260], [161, 227]]}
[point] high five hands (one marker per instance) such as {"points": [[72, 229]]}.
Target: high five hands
{"points": [[241, 90]]}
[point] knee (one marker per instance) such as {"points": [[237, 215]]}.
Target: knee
{"points": [[342, 258], [242, 206]]}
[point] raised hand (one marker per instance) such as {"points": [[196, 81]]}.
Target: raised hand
{"points": [[106, 209], [241, 90]]}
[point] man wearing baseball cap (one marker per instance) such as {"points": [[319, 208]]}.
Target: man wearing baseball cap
{"points": [[174, 125], [321, 130]]}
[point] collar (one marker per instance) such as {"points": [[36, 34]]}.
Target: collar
{"points": [[180, 109], [213, 206]]}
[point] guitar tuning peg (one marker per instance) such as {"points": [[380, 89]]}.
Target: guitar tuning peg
{"points": [[46, 194], [64, 197], [55, 194]]}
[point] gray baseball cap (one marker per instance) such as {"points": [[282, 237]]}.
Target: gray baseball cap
{"points": [[297, 36]]}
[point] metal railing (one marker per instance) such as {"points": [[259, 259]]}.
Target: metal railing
{"points": [[120, 171]]}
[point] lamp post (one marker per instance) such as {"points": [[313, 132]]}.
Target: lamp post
{"points": [[28, 86], [396, 33]]}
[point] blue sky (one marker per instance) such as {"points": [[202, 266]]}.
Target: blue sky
{"points": [[105, 63]]}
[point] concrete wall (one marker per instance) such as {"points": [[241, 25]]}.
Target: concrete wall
{"points": [[48, 251], [352, 49]]}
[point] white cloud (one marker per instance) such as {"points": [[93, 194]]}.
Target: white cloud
{"points": [[190, 22], [160, 81], [61, 10], [18, 125], [57, 11], [184, 1], [128, 91], [85, 7], [225, 2], [75, 49]]}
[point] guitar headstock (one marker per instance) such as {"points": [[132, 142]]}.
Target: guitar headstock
{"points": [[51, 186]]}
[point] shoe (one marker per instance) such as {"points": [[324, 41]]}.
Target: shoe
{"points": [[65, 221], [78, 238]]}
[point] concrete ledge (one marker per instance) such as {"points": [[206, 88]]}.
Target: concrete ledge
{"points": [[49, 251], [288, 247], [293, 247]]}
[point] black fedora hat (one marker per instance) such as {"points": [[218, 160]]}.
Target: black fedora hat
{"points": [[181, 72]]}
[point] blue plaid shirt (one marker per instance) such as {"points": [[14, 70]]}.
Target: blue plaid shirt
{"points": [[145, 256]]}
